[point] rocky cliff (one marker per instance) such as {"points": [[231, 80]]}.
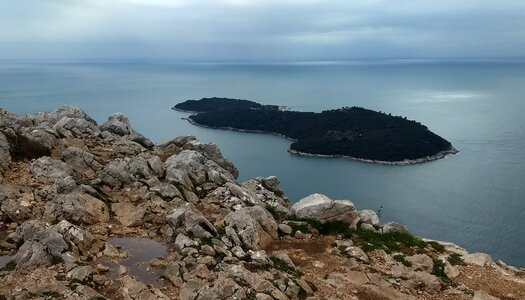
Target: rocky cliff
{"points": [[92, 211]]}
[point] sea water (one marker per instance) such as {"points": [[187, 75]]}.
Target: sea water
{"points": [[475, 198]]}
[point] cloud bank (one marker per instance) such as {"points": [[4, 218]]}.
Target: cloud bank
{"points": [[261, 30]]}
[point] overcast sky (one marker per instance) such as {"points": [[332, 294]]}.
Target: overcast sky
{"points": [[261, 30]]}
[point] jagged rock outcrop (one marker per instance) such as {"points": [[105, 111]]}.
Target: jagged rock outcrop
{"points": [[41, 245], [46, 168], [183, 220], [251, 227], [124, 171], [78, 208], [81, 161], [83, 207], [119, 124]]}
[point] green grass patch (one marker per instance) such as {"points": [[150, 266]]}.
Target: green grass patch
{"points": [[206, 241], [281, 265], [334, 227], [10, 266], [437, 247], [389, 242], [55, 260], [401, 258], [296, 226], [455, 260], [279, 216]]}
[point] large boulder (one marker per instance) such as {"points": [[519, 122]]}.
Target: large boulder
{"points": [[184, 220], [78, 208], [123, 171], [43, 138], [81, 161], [323, 209], [119, 124], [18, 207], [51, 118], [191, 168], [48, 168], [251, 227], [392, 227], [212, 152], [369, 216], [75, 127], [64, 241]]}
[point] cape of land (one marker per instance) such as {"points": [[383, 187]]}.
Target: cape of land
{"points": [[91, 211], [352, 132]]}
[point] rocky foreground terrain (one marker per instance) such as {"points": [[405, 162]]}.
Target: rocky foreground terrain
{"points": [[95, 212]]}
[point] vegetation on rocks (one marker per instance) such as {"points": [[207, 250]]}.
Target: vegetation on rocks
{"points": [[194, 231], [350, 131]]}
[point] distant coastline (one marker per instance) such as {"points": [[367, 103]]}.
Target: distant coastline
{"points": [[350, 132]]}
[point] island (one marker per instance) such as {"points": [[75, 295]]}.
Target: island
{"points": [[352, 132]]}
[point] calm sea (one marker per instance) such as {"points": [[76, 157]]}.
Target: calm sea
{"points": [[475, 198]]}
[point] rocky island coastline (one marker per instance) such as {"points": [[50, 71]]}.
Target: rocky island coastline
{"points": [[91, 211], [349, 132]]}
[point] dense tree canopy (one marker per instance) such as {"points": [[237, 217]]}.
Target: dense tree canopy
{"points": [[348, 131]]}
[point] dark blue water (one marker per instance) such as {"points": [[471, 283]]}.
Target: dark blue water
{"points": [[475, 198]]}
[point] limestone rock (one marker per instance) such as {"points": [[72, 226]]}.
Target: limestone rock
{"points": [[357, 253], [395, 227], [212, 152], [482, 295], [132, 289], [81, 273], [48, 168], [321, 208], [75, 127], [421, 262], [271, 183], [128, 214], [369, 216], [166, 191], [124, 171], [451, 271], [78, 208], [51, 118], [119, 124], [18, 208], [245, 227], [478, 259], [43, 137], [184, 220], [191, 168], [80, 160], [155, 164], [285, 228], [63, 240], [5, 156]]}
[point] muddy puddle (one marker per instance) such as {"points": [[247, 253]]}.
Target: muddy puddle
{"points": [[141, 251]]}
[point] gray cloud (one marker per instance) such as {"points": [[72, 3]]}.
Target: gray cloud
{"points": [[261, 30]]}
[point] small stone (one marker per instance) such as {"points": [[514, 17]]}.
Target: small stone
{"points": [[102, 268], [100, 279], [122, 270], [299, 235], [482, 295], [208, 250], [286, 229]]}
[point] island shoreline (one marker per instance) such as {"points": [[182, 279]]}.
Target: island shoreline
{"points": [[440, 155]]}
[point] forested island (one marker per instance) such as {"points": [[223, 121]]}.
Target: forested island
{"points": [[353, 132]]}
